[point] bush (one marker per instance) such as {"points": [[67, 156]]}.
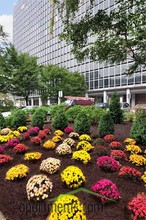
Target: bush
{"points": [[82, 124], [2, 121], [138, 129], [115, 109], [106, 125], [39, 118], [72, 112], [19, 119], [129, 116], [59, 121], [55, 108]]}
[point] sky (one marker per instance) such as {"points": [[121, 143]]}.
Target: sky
{"points": [[6, 16]]}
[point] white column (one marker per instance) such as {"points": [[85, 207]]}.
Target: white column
{"points": [[133, 101], [121, 99], [40, 102], [128, 96], [31, 101], [105, 97]]}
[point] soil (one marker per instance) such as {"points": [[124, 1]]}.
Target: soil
{"points": [[15, 205]]}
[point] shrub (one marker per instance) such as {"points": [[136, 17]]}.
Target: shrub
{"points": [[107, 190], [82, 156], [38, 118], [32, 156], [106, 125], [38, 187], [63, 149], [73, 177], [115, 109], [98, 141], [49, 144], [59, 121], [129, 116], [72, 112], [118, 155], [129, 172], [137, 207], [82, 124], [55, 108], [17, 172], [138, 129], [84, 145], [84, 137], [2, 121], [108, 163], [74, 209], [101, 150], [19, 119], [5, 158], [36, 140], [50, 165], [20, 148]]}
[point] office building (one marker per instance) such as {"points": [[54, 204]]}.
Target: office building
{"points": [[32, 34]]}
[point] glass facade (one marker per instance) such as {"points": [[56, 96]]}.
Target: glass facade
{"points": [[31, 31]]}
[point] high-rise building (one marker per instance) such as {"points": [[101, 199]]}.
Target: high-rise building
{"points": [[31, 33]]}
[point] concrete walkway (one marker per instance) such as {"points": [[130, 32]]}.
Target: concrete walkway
{"points": [[2, 216]]}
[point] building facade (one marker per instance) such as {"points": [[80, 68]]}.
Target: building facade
{"points": [[31, 33]]}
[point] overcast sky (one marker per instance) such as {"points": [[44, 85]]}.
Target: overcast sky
{"points": [[6, 16]]}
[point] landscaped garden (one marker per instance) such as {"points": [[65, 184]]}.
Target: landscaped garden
{"points": [[42, 164]]}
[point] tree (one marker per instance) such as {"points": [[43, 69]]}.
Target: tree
{"points": [[114, 37], [115, 109], [20, 72], [54, 79]]}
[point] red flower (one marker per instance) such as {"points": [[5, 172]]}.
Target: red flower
{"points": [[109, 137], [115, 145], [20, 148], [5, 158], [129, 172], [36, 140]]}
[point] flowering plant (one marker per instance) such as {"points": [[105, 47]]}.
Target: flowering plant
{"points": [[84, 137], [38, 187], [73, 177], [143, 177], [84, 145], [107, 189], [17, 172], [22, 129], [16, 133], [118, 155], [74, 135], [5, 131], [50, 165], [47, 130], [33, 131], [109, 137], [42, 134], [134, 149], [68, 130], [1, 149], [69, 141], [20, 148], [129, 172], [138, 160], [32, 156], [5, 158], [63, 149], [4, 138], [115, 145], [100, 150], [36, 140], [81, 155], [58, 132], [75, 209], [12, 142], [24, 136], [137, 206], [108, 163], [49, 144], [130, 141], [56, 138]]}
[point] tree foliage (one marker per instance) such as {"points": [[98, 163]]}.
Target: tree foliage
{"points": [[106, 36], [54, 79]]}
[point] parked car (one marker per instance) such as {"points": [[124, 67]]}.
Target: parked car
{"points": [[124, 106], [102, 105], [73, 102]]}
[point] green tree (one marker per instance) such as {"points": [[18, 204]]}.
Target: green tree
{"points": [[54, 79], [20, 72], [115, 109], [115, 36]]}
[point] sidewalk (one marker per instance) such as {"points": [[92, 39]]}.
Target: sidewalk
{"points": [[2, 216]]}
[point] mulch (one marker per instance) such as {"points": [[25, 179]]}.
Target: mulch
{"points": [[15, 205]]}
